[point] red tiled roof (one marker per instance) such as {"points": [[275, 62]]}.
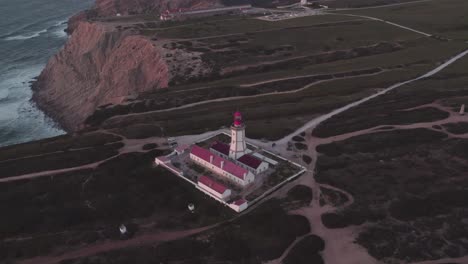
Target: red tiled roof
{"points": [[240, 202], [221, 147], [215, 186], [229, 167], [250, 161]]}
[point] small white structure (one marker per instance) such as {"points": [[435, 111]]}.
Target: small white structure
{"points": [[462, 109], [303, 2], [191, 207], [123, 229], [215, 188], [239, 205], [162, 160], [238, 145]]}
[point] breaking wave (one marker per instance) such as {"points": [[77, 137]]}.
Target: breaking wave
{"points": [[27, 36]]}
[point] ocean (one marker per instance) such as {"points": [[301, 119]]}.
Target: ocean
{"points": [[31, 31]]}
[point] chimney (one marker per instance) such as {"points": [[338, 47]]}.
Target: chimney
{"points": [[211, 159], [245, 175], [222, 164]]}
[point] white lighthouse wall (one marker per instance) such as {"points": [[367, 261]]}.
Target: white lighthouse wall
{"points": [[238, 145]]}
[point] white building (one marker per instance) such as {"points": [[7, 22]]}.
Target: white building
{"points": [[238, 145], [239, 205], [214, 188], [221, 166], [247, 161]]}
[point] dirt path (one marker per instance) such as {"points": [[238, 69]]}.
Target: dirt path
{"points": [[340, 247], [130, 145], [462, 260], [382, 6], [308, 75], [453, 118], [314, 122], [390, 23], [269, 30], [225, 99], [349, 197], [94, 249]]}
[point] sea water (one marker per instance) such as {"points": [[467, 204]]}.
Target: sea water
{"points": [[31, 31]]}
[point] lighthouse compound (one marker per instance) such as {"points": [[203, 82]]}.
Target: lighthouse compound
{"points": [[229, 169]]}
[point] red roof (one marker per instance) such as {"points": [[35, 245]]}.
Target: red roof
{"points": [[212, 184], [240, 202], [250, 161], [237, 119], [221, 147], [229, 167]]}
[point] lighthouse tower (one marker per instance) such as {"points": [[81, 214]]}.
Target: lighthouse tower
{"points": [[238, 146]]}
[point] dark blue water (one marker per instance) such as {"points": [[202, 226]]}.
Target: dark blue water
{"points": [[31, 31]]}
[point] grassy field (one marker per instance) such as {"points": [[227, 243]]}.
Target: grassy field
{"points": [[446, 18], [308, 37], [448, 87], [201, 29], [253, 238], [388, 172], [88, 206], [296, 108]]}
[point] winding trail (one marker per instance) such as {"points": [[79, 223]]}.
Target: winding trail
{"points": [[388, 22], [462, 260], [314, 122], [225, 99], [90, 250], [340, 247], [130, 145]]}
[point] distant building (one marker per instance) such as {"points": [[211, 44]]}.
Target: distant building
{"points": [[214, 188]]}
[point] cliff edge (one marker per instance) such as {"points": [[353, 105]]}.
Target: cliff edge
{"points": [[97, 66]]}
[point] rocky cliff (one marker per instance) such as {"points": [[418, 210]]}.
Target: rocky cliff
{"points": [[97, 66]]}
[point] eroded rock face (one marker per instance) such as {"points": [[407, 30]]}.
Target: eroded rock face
{"points": [[97, 66]]}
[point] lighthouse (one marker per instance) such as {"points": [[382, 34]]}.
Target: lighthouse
{"points": [[238, 146]]}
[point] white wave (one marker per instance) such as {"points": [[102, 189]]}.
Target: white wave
{"points": [[59, 31], [27, 36]]}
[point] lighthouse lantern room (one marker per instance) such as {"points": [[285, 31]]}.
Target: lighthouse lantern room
{"points": [[238, 146]]}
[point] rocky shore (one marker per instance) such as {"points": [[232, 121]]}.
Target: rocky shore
{"points": [[101, 65]]}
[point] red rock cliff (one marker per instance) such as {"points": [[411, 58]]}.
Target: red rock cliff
{"points": [[97, 67]]}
